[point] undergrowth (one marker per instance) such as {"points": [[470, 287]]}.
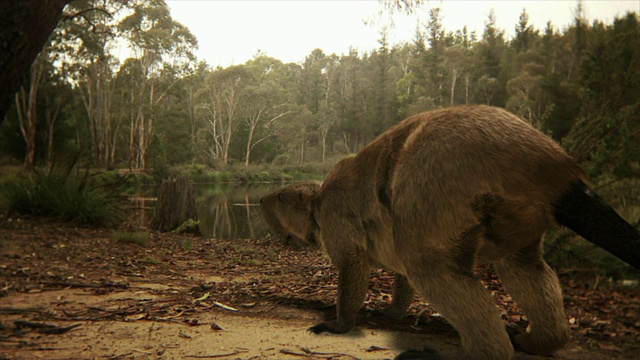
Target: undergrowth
{"points": [[66, 194], [138, 237]]}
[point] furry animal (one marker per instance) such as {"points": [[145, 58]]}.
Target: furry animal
{"points": [[436, 194]]}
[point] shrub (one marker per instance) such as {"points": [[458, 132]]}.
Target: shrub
{"points": [[138, 237], [189, 227], [71, 197]]}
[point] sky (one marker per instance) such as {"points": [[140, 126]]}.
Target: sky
{"points": [[232, 32]]}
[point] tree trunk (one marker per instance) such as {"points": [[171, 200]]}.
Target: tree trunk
{"points": [[176, 205], [452, 93], [25, 27], [466, 89], [252, 128], [27, 106], [51, 115]]}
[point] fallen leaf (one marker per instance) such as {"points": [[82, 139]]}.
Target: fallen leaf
{"points": [[204, 297]]}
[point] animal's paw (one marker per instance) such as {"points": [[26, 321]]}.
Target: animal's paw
{"points": [[515, 335], [387, 313], [526, 343], [425, 354], [331, 327]]}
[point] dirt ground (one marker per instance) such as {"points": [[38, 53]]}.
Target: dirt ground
{"points": [[76, 293]]}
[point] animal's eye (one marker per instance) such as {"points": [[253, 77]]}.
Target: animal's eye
{"points": [[281, 197]]}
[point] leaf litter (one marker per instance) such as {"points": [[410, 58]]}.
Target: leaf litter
{"points": [[167, 282]]}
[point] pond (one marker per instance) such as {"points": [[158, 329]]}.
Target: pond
{"points": [[226, 211], [232, 211]]}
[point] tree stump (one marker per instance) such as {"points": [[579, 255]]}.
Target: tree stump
{"points": [[176, 205]]}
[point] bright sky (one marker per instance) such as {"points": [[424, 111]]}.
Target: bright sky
{"points": [[232, 32]]}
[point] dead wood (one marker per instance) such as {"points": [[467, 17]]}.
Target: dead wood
{"points": [[176, 205]]}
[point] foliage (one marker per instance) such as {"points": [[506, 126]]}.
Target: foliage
{"points": [[254, 174], [127, 237], [70, 196], [161, 109], [566, 251], [188, 227]]}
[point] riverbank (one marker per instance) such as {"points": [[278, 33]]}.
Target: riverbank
{"points": [[80, 292]]}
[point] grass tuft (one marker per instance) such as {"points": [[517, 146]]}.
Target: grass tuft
{"points": [[68, 196], [138, 238]]}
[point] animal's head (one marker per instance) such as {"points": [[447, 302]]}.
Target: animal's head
{"points": [[289, 211]]}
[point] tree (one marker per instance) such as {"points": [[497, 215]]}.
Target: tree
{"points": [[81, 46], [489, 68], [27, 109], [191, 84], [348, 101], [163, 47], [454, 59], [26, 26], [264, 101], [525, 34], [325, 119], [312, 84], [605, 135], [434, 57], [219, 106]]}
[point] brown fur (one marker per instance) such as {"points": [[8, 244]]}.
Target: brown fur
{"points": [[430, 198]]}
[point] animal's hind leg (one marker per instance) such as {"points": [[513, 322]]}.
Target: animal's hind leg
{"points": [[402, 298], [460, 297], [447, 281], [530, 281], [535, 288]]}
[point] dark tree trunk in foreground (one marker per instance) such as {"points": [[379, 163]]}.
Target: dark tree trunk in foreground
{"points": [[25, 26], [176, 205]]}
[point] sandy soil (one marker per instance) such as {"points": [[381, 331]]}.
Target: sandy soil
{"points": [[77, 293]]}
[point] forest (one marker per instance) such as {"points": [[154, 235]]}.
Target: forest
{"points": [[94, 128], [161, 107]]}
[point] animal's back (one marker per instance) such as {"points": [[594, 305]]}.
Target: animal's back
{"points": [[456, 154]]}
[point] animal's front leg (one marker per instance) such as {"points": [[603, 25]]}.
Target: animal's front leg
{"points": [[352, 288]]}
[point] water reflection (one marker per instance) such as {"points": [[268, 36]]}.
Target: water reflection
{"points": [[227, 211], [231, 211], [143, 209]]}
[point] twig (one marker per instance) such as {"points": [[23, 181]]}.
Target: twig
{"points": [[331, 355], [44, 328], [84, 285], [120, 356], [322, 355], [226, 307], [12, 311], [143, 351], [291, 352], [215, 355], [59, 330]]}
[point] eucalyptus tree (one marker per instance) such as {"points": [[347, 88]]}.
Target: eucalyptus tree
{"points": [[77, 52], [219, 105], [348, 100], [27, 108], [264, 100], [25, 27], [163, 51], [312, 82], [608, 127], [434, 57], [525, 87], [488, 61], [83, 44]]}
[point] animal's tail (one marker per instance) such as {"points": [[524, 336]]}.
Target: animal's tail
{"points": [[583, 211]]}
